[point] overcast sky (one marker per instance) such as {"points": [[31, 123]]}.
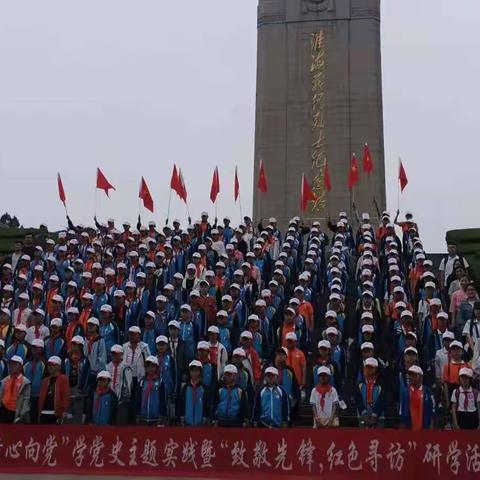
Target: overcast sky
{"points": [[134, 86]]}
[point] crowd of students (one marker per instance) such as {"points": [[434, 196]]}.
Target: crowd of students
{"points": [[245, 326]]}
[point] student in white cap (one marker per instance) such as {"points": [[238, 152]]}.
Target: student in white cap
{"points": [[370, 396], [121, 384], [417, 406], [102, 402], [135, 353], [465, 402], [15, 392], [22, 313], [194, 403], [272, 408], [95, 350], [168, 373], [77, 370], [108, 329], [38, 329], [324, 400], [54, 401], [231, 402], [218, 353], [35, 370], [18, 345]]}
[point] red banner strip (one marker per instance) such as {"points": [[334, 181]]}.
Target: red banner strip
{"points": [[225, 453]]}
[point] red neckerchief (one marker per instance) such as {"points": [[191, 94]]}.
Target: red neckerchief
{"points": [[91, 340], [99, 392], [214, 353], [323, 390], [150, 379]]}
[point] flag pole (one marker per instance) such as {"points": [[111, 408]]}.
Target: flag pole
{"points": [[240, 205], [95, 202], [398, 185], [169, 203]]}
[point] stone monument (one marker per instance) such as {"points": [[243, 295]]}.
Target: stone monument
{"points": [[319, 99]]}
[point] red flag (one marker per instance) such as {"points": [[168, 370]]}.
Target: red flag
{"points": [[353, 176], [236, 187], [103, 183], [367, 159], [182, 188], [61, 190], [307, 194], [402, 176], [262, 179], [215, 189], [326, 178], [175, 184], [144, 194]]}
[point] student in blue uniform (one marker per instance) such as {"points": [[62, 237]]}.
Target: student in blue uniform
{"points": [[188, 332], [231, 402], [55, 344], [35, 370], [209, 370], [18, 346], [102, 404], [95, 350], [108, 329], [224, 332], [148, 331], [271, 404], [370, 396], [151, 398], [194, 404], [167, 372]]}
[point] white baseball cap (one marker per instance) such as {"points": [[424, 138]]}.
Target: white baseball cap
{"points": [[231, 369], [161, 339], [371, 362], [324, 370], [468, 372], [55, 360], [271, 370], [213, 329], [246, 334], [195, 363], [324, 344], [38, 342], [152, 359], [17, 359], [367, 345], [415, 369], [134, 329], [78, 339], [291, 336], [203, 346], [117, 349]]}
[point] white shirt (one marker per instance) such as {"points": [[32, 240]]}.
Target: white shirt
{"points": [[17, 319], [330, 400], [475, 330], [447, 266], [43, 333], [136, 359], [473, 398]]}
